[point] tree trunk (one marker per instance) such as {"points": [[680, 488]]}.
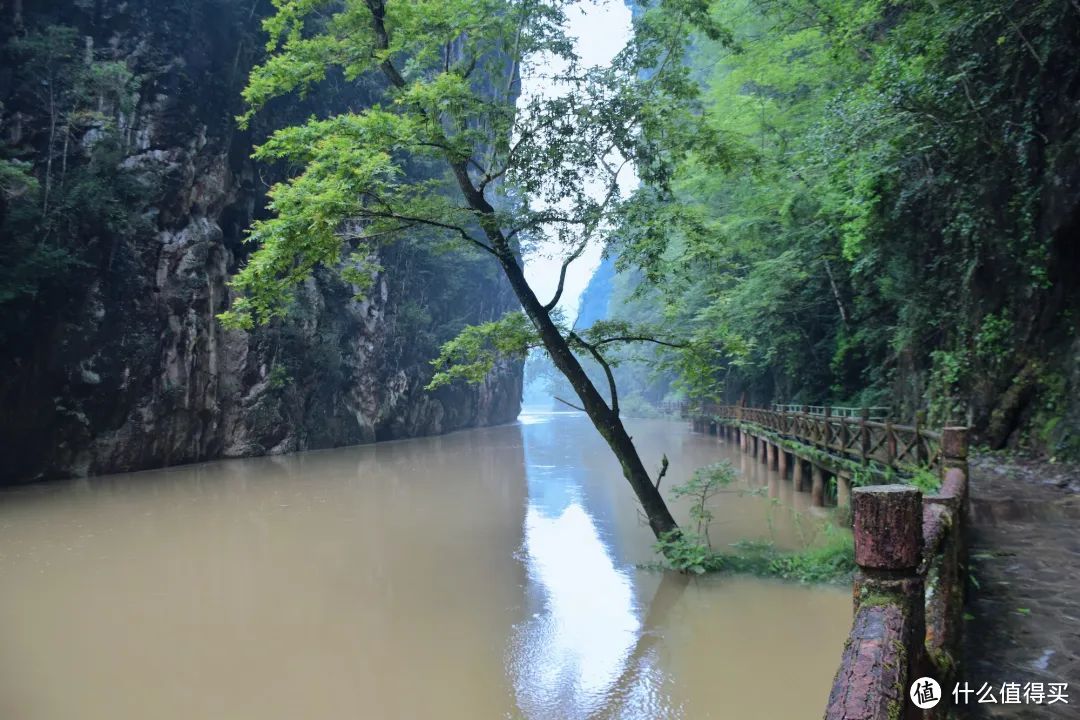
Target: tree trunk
{"points": [[603, 417]]}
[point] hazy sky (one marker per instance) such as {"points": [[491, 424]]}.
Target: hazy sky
{"points": [[602, 28]]}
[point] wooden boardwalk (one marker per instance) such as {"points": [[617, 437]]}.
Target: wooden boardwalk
{"points": [[853, 445]]}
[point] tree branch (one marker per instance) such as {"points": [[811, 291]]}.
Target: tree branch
{"points": [[382, 41], [389, 215], [663, 470], [835, 291], [564, 402], [562, 275], [607, 370], [640, 338]]}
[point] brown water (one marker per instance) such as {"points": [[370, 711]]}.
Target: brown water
{"points": [[485, 574]]}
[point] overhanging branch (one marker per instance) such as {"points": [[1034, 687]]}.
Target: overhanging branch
{"points": [[639, 338]]}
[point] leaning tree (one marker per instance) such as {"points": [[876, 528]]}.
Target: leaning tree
{"points": [[455, 152]]}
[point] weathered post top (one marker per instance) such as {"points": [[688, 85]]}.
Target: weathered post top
{"points": [[888, 527], [954, 444]]}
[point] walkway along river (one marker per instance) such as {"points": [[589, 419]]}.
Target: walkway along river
{"points": [[486, 574]]}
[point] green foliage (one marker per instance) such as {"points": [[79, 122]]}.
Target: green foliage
{"points": [[880, 229], [702, 486], [72, 101], [451, 157], [926, 480], [830, 562], [686, 553], [16, 180], [475, 351], [279, 377]]}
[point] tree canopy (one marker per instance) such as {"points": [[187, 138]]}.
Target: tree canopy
{"points": [[500, 173]]}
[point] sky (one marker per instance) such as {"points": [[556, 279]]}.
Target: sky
{"points": [[602, 28]]}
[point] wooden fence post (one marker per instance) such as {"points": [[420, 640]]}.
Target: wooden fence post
{"points": [[920, 447], [827, 438], [890, 443], [864, 436]]}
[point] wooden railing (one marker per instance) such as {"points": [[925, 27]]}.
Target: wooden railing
{"points": [[860, 438], [876, 412]]}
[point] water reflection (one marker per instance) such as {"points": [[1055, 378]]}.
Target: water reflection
{"points": [[582, 642]]}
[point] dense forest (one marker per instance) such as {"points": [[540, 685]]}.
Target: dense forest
{"points": [[895, 223]]}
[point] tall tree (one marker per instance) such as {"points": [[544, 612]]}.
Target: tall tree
{"points": [[501, 175]]}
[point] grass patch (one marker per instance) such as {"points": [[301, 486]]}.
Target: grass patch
{"points": [[831, 562], [827, 559]]}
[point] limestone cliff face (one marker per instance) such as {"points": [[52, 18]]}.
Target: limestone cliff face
{"points": [[123, 366]]}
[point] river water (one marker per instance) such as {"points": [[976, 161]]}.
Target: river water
{"points": [[491, 573]]}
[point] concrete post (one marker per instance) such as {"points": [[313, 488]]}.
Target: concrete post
{"points": [[797, 468], [782, 460], [886, 646], [817, 488], [954, 449], [843, 490], [888, 531]]}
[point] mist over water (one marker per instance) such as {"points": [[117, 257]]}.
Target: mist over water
{"points": [[485, 574]]}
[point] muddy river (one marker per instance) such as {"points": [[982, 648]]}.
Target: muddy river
{"points": [[493, 573]]}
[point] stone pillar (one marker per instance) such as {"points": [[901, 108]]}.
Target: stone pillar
{"points": [[782, 459], [843, 490], [773, 450], [954, 449], [817, 488], [885, 649], [797, 473], [888, 527]]}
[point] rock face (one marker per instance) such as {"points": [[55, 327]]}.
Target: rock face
{"points": [[125, 366]]}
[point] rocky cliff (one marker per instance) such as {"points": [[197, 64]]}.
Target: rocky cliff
{"points": [[118, 245]]}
